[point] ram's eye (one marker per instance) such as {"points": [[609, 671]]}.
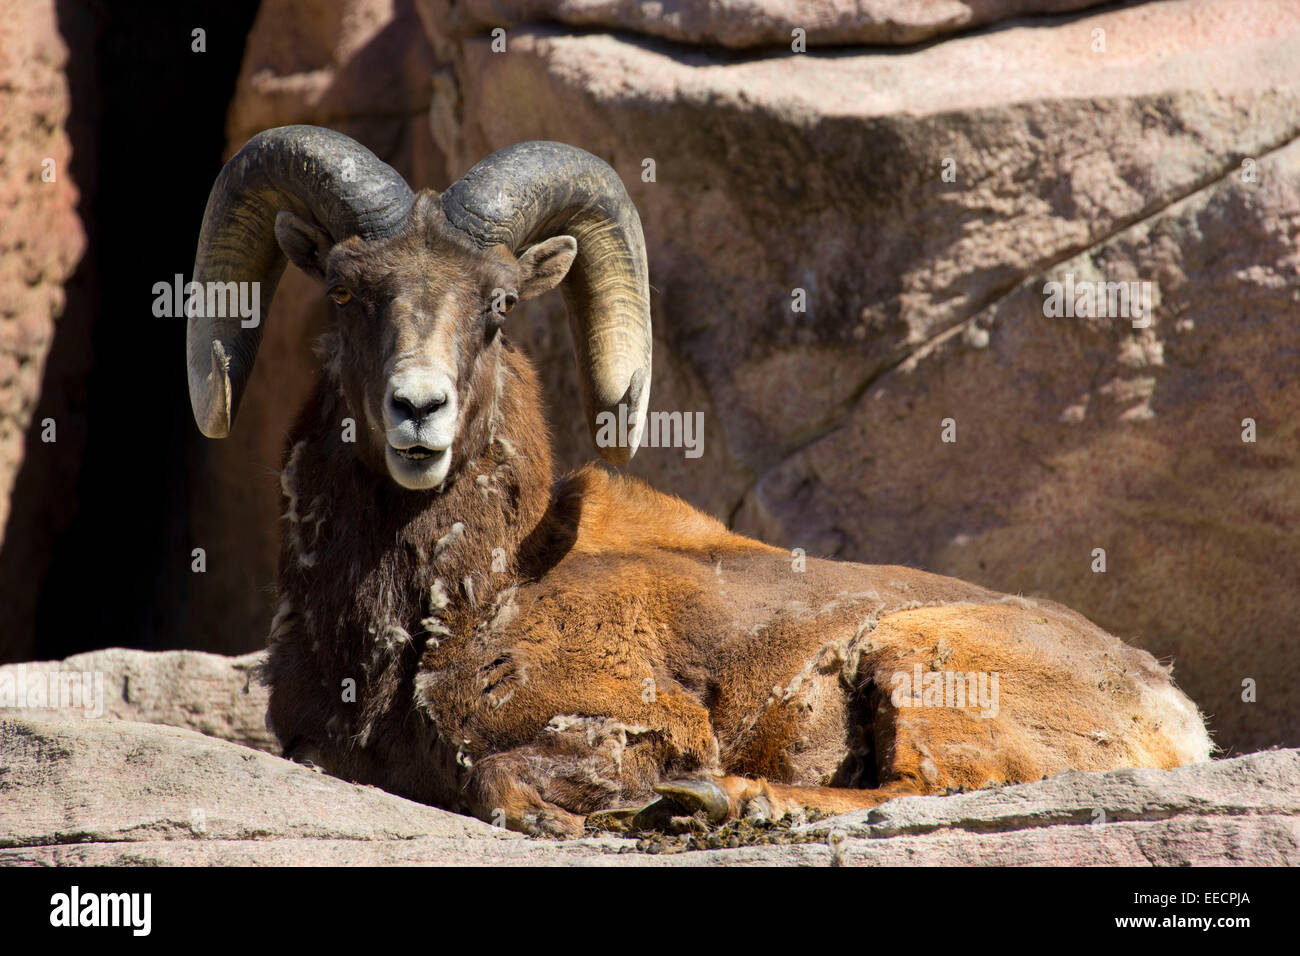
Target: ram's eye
{"points": [[340, 295], [503, 300]]}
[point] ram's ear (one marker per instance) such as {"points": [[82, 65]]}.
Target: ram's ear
{"points": [[543, 266], [306, 244]]}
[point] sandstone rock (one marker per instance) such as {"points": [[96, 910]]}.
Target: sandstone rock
{"points": [[1075, 434], [1214, 841], [214, 695], [1240, 811], [92, 782], [41, 242], [122, 793], [759, 23], [320, 62], [1261, 784]]}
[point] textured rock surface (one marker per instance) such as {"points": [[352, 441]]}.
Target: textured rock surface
{"points": [[825, 173], [41, 242], [1078, 434], [759, 23], [121, 780], [1243, 811], [214, 695], [121, 793], [40, 238]]}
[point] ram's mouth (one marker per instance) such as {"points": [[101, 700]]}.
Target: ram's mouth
{"points": [[419, 453]]}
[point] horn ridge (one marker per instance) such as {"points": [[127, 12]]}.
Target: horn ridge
{"points": [[530, 191], [316, 173]]}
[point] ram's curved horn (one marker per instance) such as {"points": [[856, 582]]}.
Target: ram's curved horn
{"points": [[318, 174], [530, 191]]}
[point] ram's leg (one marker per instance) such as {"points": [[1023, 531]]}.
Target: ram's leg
{"points": [[912, 751], [919, 749], [584, 765], [501, 792], [903, 764], [719, 799]]}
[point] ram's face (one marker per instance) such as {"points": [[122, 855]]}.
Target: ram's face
{"points": [[415, 340], [416, 343]]}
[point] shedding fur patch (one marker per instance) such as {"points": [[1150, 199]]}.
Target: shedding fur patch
{"points": [[499, 387], [833, 656], [289, 487], [602, 733], [289, 481], [330, 353], [435, 630], [395, 637], [1173, 717], [282, 622], [506, 610], [433, 626], [451, 537]]}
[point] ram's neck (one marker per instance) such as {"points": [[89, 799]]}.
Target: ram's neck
{"points": [[372, 573]]}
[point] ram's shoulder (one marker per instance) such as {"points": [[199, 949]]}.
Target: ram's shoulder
{"points": [[620, 513]]}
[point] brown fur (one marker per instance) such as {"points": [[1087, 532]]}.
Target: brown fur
{"points": [[625, 638]]}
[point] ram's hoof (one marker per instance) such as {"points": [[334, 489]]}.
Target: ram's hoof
{"points": [[666, 816], [697, 795], [689, 805]]}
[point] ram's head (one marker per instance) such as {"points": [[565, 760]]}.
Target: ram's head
{"points": [[421, 284]]}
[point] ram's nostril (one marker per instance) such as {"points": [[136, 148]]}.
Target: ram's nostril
{"points": [[417, 406]]}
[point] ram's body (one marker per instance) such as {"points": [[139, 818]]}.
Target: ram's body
{"points": [[626, 639], [457, 626]]}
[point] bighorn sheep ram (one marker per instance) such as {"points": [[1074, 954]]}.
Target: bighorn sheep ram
{"points": [[458, 626]]}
